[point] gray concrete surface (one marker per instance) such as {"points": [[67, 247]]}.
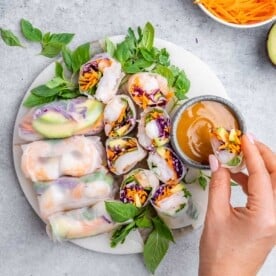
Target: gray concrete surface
{"points": [[237, 56]]}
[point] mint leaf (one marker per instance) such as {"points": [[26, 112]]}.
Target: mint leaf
{"points": [[51, 49], [122, 52], [147, 55], [148, 36], [59, 70], [46, 38], [44, 91], [121, 233], [155, 249], [9, 38], [80, 56], [29, 32], [34, 100], [162, 229], [164, 57], [143, 222], [121, 212], [67, 58], [110, 47], [69, 94], [55, 82], [202, 182], [165, 72], [63, 38]]}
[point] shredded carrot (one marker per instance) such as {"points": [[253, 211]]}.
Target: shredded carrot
{"points": [[241, 11]]}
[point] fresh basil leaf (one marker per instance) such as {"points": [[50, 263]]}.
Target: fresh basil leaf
{"points": [[122, 53], [29, 32], [142, 63], [67, 58], [44, 91], [59, 70], [69, 94], [140, 34], [121, 233], [55, 82], [9, 38], [148, 36], [46, 38], [110, 46], [80, 56], [51, 49], [182, 82], [131, 35], [163, 230], [164, 57], [155, 249], [131, 68], [34, 100], [121, 212], [202, 181], [147, 55], [63, 38], [165, 72], [143, 222]]}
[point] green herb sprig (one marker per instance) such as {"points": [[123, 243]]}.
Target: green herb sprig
{"points": [[137, 53], [157, 243]]}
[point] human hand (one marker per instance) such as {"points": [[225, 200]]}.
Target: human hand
{"points": [[236, 241]]}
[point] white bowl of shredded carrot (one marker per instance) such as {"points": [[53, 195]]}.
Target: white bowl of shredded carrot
{"points": [[240, 13]]}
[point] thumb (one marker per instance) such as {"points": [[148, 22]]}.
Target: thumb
{"points": [[219, 188]]}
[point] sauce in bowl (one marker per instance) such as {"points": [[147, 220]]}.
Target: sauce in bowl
{"points": [[195, 123]]}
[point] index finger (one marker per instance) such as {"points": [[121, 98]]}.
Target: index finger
{"points": [[259, 186]]}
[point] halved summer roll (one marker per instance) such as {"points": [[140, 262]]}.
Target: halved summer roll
{"points": [[67, 193], [101, 76], [166, 165], [154, 128], [62, 119], [149, 89], [138, 187], [119, 116], [226, 145], [49, 159], [171, 203], [123, 154], [80, 223]]}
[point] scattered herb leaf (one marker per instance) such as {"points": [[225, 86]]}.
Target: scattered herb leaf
{"points": [[29, 32], [9, 38]]}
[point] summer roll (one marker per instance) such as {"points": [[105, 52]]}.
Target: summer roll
{"points": [[138, 187], [80, 223], [226, 145], [67, 193], [63, 118], [47, 160], [100, 77]]}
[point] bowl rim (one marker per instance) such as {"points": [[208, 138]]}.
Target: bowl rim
{"points": [[233, 25], [175, 119]]}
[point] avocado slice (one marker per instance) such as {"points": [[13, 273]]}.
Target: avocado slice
{"points": [[271, 44]]}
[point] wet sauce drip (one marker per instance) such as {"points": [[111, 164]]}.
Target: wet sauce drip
{"points": [[193, 129]]}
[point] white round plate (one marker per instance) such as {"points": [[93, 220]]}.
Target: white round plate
{"points": [[233, 25], [203, 81]]}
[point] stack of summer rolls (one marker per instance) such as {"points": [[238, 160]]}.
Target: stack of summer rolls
{"points": [[73, 173]]}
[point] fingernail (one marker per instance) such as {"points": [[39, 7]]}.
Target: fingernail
{"points": [[250, 137], [213, 161]]}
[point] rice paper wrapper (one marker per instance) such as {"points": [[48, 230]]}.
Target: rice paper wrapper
{"points": [[138, 187], [80, 223], [192, 214], [68, 193], [76, 156], [154, 128], [101, 77], [61, 119], [123, 154], [119, 116], [228, 152]]}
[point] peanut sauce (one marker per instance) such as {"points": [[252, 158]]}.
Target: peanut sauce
{"points": [[193, 129]]}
